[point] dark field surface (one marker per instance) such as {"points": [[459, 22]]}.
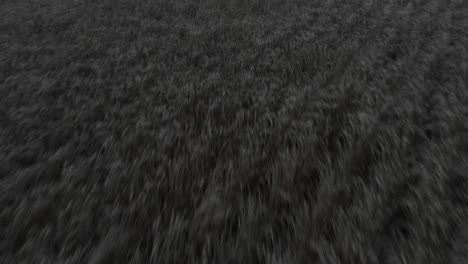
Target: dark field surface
{"points": [[237, 131]]}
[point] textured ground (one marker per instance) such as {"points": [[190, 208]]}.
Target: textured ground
{"points": [[237, 131]]}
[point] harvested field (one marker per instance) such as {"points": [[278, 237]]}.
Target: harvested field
{"points": [[234, 131]]}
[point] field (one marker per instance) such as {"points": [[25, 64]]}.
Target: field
{"points": [[234, 131]]}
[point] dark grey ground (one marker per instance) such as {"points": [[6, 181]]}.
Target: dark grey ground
{"points": [[234, 131]]}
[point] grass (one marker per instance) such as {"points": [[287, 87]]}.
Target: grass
{"points": [[241, 131]]}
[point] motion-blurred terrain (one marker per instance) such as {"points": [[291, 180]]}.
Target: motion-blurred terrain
{"points": [[234, 131]]}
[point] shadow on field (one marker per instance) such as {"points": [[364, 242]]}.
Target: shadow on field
{"points": [[238, 131]]}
